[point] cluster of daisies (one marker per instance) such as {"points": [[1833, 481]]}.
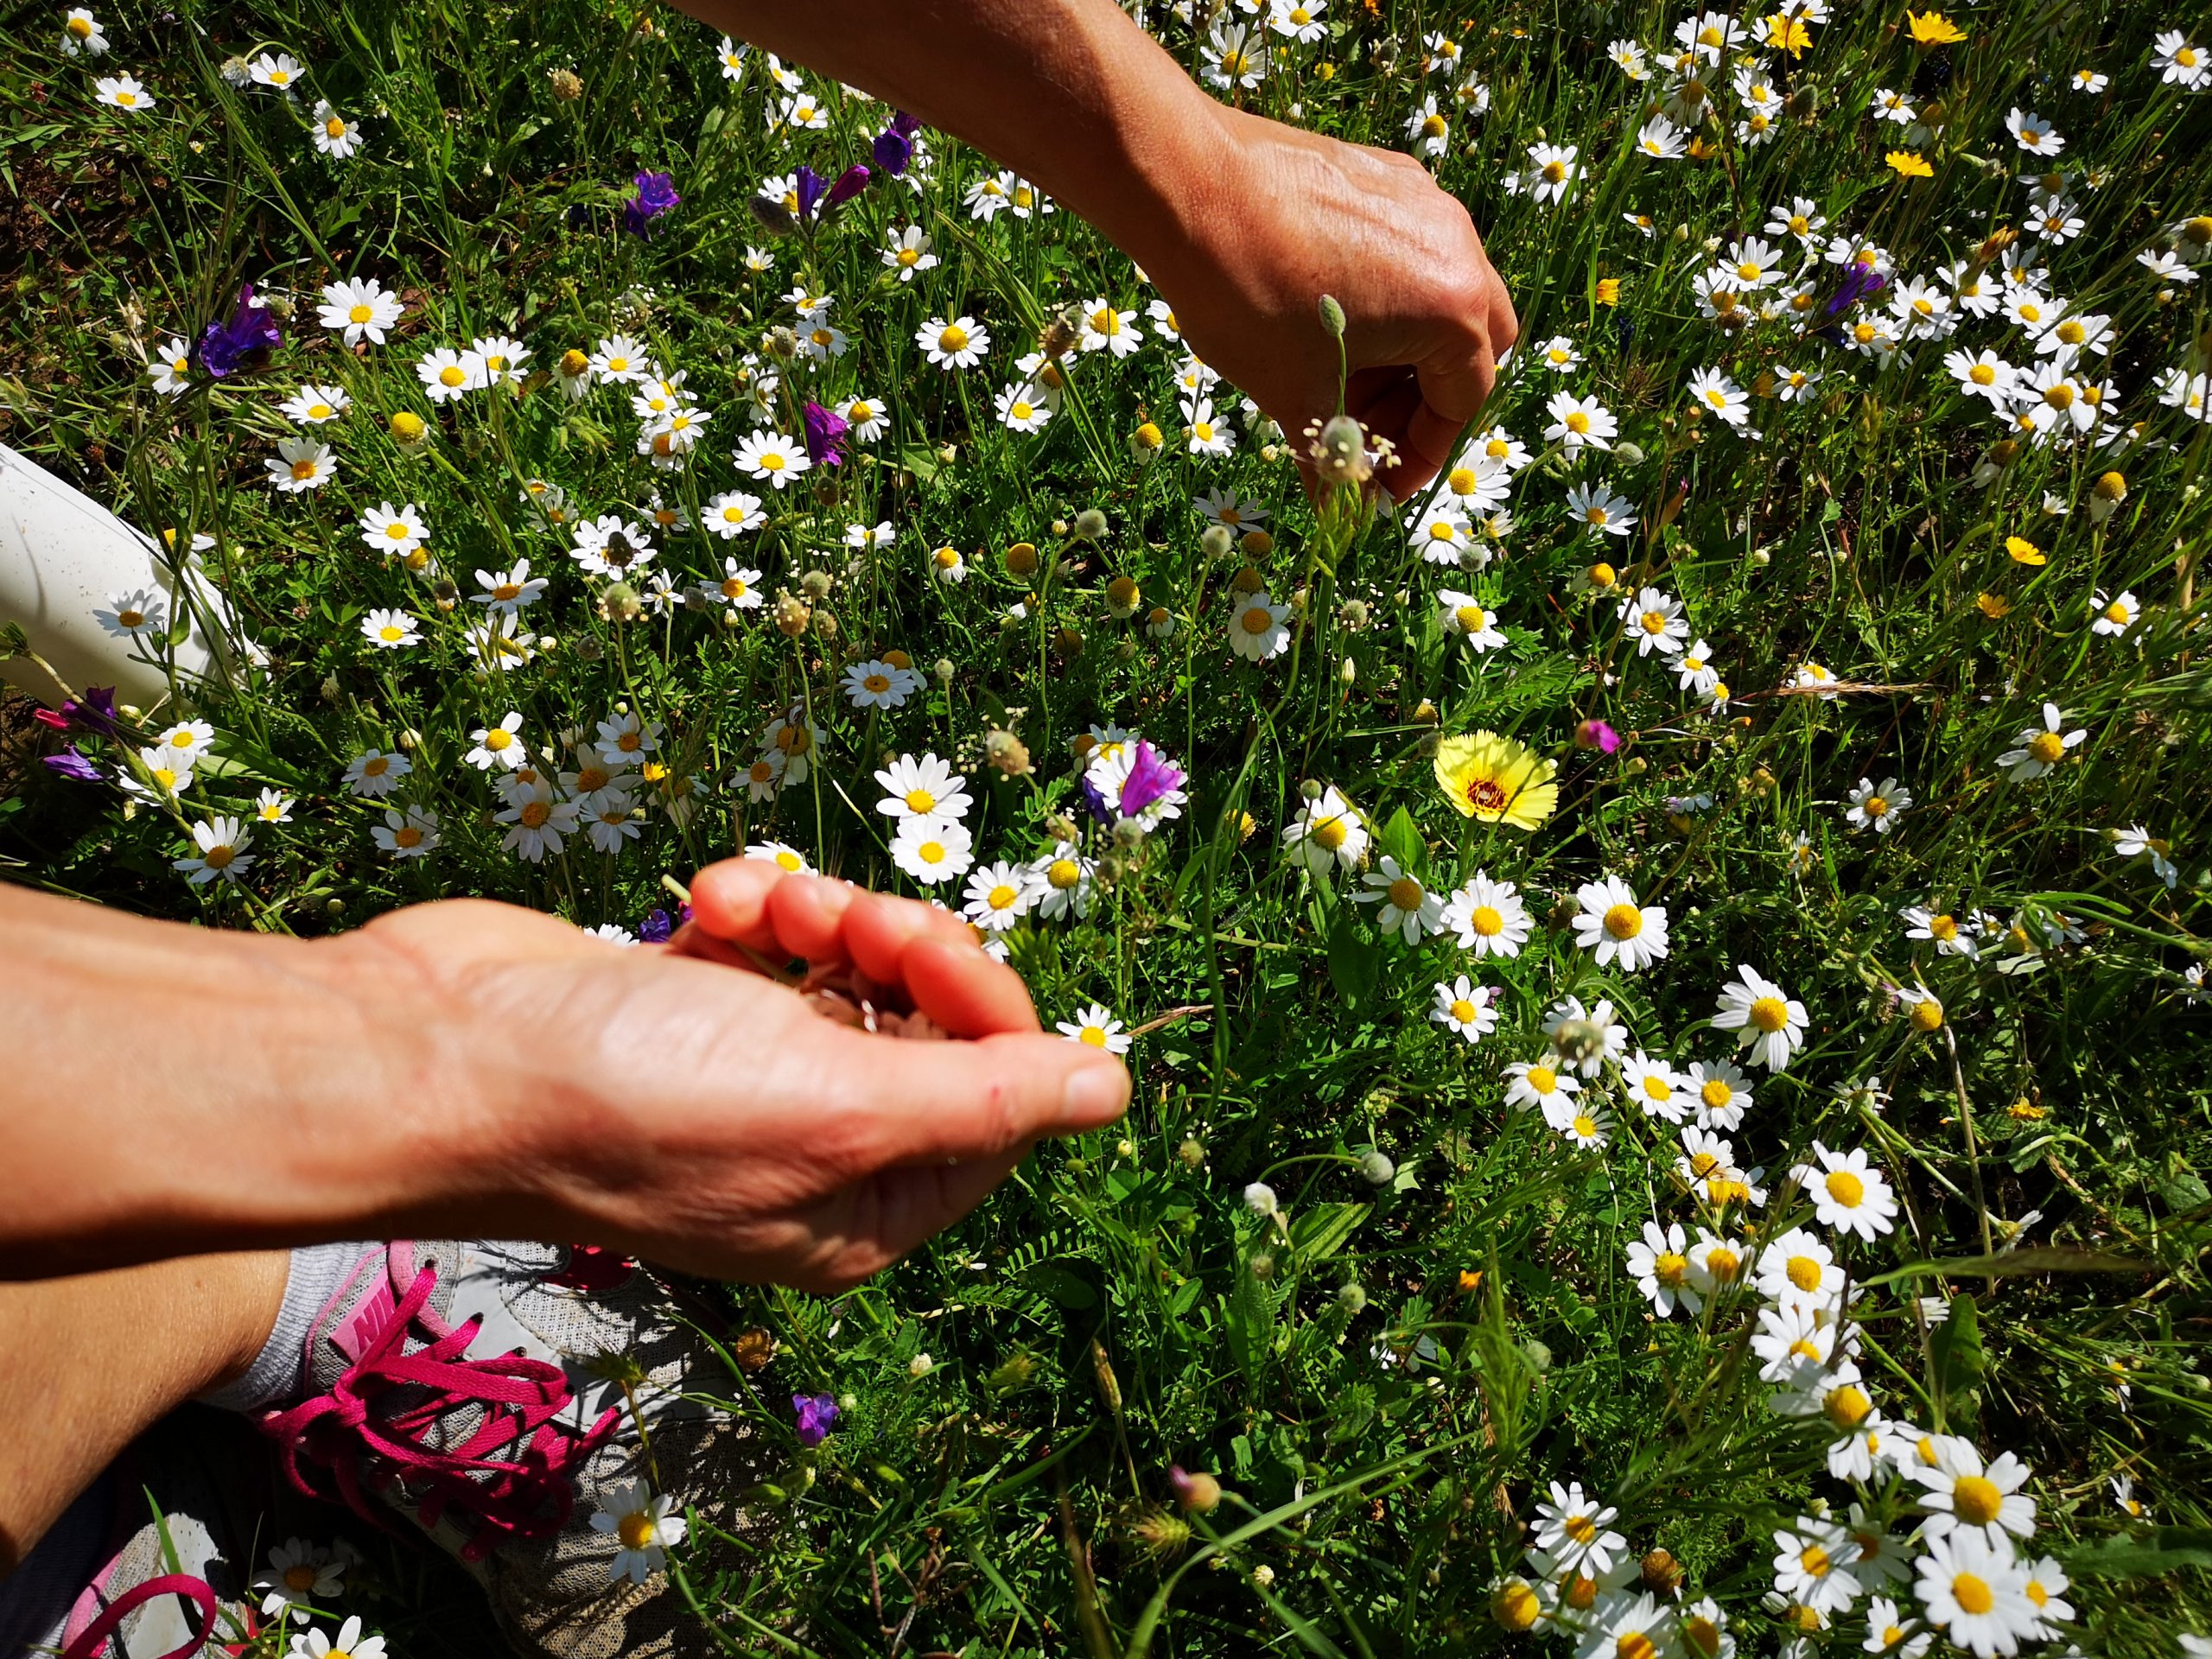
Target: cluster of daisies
{"points": [[275, 73]]}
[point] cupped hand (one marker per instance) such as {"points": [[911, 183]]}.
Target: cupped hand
{"points": [[1290, 216], [684, 1105]]}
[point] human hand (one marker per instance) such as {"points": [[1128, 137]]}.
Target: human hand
{"points": [[1288, 216], [682, 1105]]}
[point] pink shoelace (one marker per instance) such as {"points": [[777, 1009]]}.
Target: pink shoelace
{"points": [[512, 1475], [97, 1635]]}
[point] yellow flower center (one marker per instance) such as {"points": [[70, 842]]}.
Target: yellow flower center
{"points": [[2060, 396], [302, 471], [1769, 1013], [2047, 746], [1463, 1011], [1724, 1264], [1634, 1644], [1804, 1273], [1927, 1014], [1623, 921], [1975, 1500], [1002, 897], [319, 411], [1555, 172], [1473, 618], [405, 836], [1578, 422], [1580, 1528], [1462, 482], [1542, 1080], [1973, 1593], [635, 1530], [1846, 1406], [450, 376], [1715, 1094], [1432, 127], [1094, 1036], [1062, 873], [498, 739], [954, 339], [1486, 921], [931, 852], [1704, 1635], [1814, 1561], [878, 683], [1845, 1188], [1330, 833], [1406, 893], [534, 814], [1669, 1269], [1257, 620]]}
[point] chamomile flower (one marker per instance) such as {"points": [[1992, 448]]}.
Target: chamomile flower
{"points": [[644, 1525], [1877, 806], [1580, 423], [1256, 629], [772, 457], [1768, 1021], [784, 856], [1488, 916], [1798, 1270], [1715, 1093], [1964, 1495], [1614, 928], [922, 787], [218, 852], [1407, 907], [999, 895], [1848, 1193], [1063, 881], [1653, 1086], [1660, 1264], [1654, 621], [1811, 1566], [377, 772], [878, 684], [395, 531], [500, 747], [1095, 1027], [1539, 1086], [933, 849], [1976, 1594], [123, 92], [1464, 1006], [959, 344], [302, 464], [390, 630], [1327, 833], [2041, 747], [1575, 1531], [2113, 616], [412, 833], [1598, 509], [313, 405]]}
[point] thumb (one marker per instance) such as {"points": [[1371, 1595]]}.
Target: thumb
{"points": [[929, 1103]]}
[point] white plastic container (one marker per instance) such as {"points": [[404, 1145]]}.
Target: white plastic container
{"points": [[62, 557]]}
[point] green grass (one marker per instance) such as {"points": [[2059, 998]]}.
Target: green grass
{"points": [[1106, 1315]]}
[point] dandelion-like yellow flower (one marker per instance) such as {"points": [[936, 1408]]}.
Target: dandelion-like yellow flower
{"points": [[2024, 552], [1933, 28], [1609, 290], [1786, 34], [1907, 165], [1995, 607], [1497, 779]]}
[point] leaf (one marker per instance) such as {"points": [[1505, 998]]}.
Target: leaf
{"points": [[1401, 838], [1354, 962], [1251, 1312], [1320, 1232], [919, 460], [2142, 1554], [1955, 1349], [1070, 1290], [2048, 1258]]}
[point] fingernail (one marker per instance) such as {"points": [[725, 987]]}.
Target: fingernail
{"points": [[1097, 1094]]}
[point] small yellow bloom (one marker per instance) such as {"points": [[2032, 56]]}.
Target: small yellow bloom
{"points": [[1995, 607], [1788, 34], [1700, 150], [1497, 779], [2024, 552], [1909, 166], [1933, 28], [1609, 290]]}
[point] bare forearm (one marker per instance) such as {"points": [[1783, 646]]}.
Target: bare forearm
{"points": [[174, 1090], [1070, 94]]}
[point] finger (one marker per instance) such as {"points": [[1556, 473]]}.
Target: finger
{"points": [[884, 1103], [729, 907], [964, 991], [934, 954], [807, 915]]}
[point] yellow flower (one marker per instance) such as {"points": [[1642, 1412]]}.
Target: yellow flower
{"points": [[1495, 779], [1609, 290], [1933, 28], [1910, 166], [1788, 34], [1700, 150], [1995, 607], [2024, 551]]}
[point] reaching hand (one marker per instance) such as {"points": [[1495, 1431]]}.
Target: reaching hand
{"points": [[1291, 216], [683, 1105]]}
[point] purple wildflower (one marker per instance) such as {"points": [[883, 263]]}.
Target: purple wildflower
{"points": [[825, 435], [242, 342], [892, 151], [96, 712], [1151, 775], [850, 183], [656, 196], [1596, 734], [904, 124], [70, 763], [808, 187], [655, 928], [817, 1414], [1863, 282]]}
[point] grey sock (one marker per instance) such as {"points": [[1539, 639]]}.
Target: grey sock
{"points": [[313, 1279]]}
